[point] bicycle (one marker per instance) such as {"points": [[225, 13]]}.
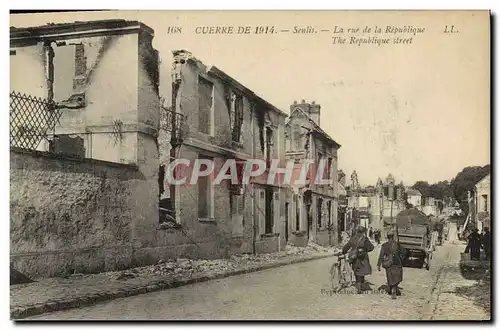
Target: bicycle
{"points": [[341, 273]]}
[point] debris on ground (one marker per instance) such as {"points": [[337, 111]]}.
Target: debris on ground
{"points": [[186, 267], [17, 277]]}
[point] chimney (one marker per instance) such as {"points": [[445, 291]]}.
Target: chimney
{"points": [[314, 112], [311, 109]]}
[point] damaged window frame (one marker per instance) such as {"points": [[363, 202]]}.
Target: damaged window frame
{"points": [[211, 116], [77, 99], [167, 215], [269, 143]]}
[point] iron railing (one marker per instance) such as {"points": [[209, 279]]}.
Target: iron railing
{"points": [[172, 122], [32, 119]]}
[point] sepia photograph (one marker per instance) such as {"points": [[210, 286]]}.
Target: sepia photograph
{"points": [[174, 165]]}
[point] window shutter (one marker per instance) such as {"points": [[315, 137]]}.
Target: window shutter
{"points": [[276, 213]]}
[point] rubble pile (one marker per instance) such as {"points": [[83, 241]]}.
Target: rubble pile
{"points": [[187, 267]]}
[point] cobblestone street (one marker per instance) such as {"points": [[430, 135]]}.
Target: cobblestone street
{"points": [[80, 290], [302, 291]]}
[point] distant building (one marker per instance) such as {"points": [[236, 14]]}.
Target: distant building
{"points": [[414, 197], [377, 205], [482, 201], [315, 204]]}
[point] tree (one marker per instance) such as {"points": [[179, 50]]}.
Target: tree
{"points": [[423, 187], [465, 181]]}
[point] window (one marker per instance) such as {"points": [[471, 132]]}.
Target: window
{"points": [[319, 212], [269, 210], [205, 193], [319, 156], [329, 168], [485, 201], [205, 105], [269, 144], [237, 118]]}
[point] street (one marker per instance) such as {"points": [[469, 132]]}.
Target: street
{"points": [[299, 291]]}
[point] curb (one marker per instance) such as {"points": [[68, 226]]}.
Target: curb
{"points": [[85, 301]]}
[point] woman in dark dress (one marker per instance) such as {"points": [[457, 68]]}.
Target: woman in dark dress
{"points": [[391, 250]]}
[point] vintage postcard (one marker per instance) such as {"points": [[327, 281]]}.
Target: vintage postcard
{"points": [[250, 165]]}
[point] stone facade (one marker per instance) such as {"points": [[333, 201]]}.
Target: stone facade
{"points": [[222, 119], [381, 202], [103, 76], [482, 202], [313, 206], [72, 215]]}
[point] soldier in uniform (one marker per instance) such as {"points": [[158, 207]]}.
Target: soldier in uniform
{"points": [[392, 254], [361, 265]]}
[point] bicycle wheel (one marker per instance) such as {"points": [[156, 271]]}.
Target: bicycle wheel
{"points": [[335, 277]]}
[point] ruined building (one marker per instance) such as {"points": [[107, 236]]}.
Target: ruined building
{"points": [[314, 205], [84, 117], [221, 120], [377, 205]]}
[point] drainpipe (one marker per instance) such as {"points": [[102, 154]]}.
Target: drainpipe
{"points": [[49, 51]]}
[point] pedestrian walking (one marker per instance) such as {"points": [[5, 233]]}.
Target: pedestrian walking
{"points": [[358, 247], [370, 233], [486, 240], [391, 259], [474, 245]]}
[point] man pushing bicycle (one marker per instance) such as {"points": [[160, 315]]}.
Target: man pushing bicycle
{"points": [[357, 248]]}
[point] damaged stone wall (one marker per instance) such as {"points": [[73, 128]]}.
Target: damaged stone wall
{"points": [[202, 239], [190, 70], [76, 216], [95, 86], [108, 93]]}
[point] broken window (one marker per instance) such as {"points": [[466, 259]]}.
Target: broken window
{"points": [[205, 105], [205, 192], [319, 157], [166, 202], [329, 168], [237, 118], [269, 145], [319, 212]]}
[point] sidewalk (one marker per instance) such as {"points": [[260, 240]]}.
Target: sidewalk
{"points": [[462, 290], [79, 290]]}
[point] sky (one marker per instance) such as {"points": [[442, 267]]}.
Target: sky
{"points": [[420, 111]]}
